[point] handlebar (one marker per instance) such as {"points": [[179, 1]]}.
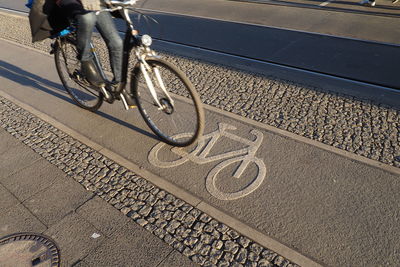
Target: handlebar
{"points": [[116, 5], [124, 7]]}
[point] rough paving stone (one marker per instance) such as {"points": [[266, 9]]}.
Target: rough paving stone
{"points": [[93, 211], [19, 219], [193, 233], [57, 200], [7, 200], [75, 237], [27, 182]]}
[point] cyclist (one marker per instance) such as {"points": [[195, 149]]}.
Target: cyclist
{"points": [[82, 12]]}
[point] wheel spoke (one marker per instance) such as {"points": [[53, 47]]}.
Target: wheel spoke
{"points": [[181, 110], [67, 68]]}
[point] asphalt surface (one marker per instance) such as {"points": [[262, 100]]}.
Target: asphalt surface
{"points": [[335, 210], [344, 122], [316, 45], [340, 57], [312, 200]]}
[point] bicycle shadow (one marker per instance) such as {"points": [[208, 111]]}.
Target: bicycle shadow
{"points": [[29, 79]]}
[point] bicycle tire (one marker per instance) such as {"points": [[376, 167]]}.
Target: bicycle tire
{"points": [[185, 115], [68, 66]]}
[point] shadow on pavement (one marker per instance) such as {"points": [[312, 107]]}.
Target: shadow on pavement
{"points": [[26, 78]]}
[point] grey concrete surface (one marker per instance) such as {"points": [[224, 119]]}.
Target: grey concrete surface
{"points": [[29, 181], [289, 15], [130, 245], [94, 210], [341, 57], [17, 219], [88, 231], [175, 259], [315, 201], [6, 198], [9, 162], [64, 195], [74, 235]]}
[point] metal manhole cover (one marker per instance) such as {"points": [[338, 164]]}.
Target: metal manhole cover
{"points": [[28, 249]]}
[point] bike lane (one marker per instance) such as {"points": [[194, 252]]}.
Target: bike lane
{"points": [[330, 207]]}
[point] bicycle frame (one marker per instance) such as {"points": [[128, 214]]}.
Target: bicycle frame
{"points": [[131, 41], [149, 77]]}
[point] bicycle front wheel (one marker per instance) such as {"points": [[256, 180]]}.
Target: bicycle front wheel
{"points": [[168, 102], [68, 68]]}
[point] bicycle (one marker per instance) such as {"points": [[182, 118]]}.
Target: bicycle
{"points": [[166, 99], [200, 155]]}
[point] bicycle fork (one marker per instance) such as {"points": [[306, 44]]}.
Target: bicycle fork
{"points": [[146, 68]]}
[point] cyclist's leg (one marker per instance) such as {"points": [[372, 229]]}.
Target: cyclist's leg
{"points": [[105, 25], [85, 23]]}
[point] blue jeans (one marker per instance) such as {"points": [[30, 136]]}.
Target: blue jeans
{"points": [[105, 25]]}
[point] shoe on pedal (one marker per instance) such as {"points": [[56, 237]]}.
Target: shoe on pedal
{"points": [[130, 99], [90, 72], [113, 86]]}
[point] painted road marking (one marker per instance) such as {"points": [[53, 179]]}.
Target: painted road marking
{"points": [[326, 3], [200, 155]]}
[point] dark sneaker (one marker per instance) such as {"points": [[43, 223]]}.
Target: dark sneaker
{"points": [[113, 86], [91, 74]]}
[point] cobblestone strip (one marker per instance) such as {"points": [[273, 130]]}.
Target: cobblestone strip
{"points": [[193, 233], [344, 122]]}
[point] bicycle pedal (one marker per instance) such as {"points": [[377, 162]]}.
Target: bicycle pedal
{"points": [[76, 74], [127, 101]]}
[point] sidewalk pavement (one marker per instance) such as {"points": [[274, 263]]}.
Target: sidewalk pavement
{"points": [[333, 208], [36, 196], [121, 219]]}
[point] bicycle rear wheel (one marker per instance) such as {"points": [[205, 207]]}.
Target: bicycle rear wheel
{"points": [[68, 68], [179, 109]]}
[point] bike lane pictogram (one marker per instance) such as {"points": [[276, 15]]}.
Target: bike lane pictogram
{"points": [[200, 155], [279, 185]]}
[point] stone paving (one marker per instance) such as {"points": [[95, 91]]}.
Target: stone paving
{"points": [[188, 230], [361, 127]]}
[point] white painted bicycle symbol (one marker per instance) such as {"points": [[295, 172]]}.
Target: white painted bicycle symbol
{"points": [[200, 155]]}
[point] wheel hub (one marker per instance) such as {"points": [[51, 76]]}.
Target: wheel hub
{"points": [[166, 106]]}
